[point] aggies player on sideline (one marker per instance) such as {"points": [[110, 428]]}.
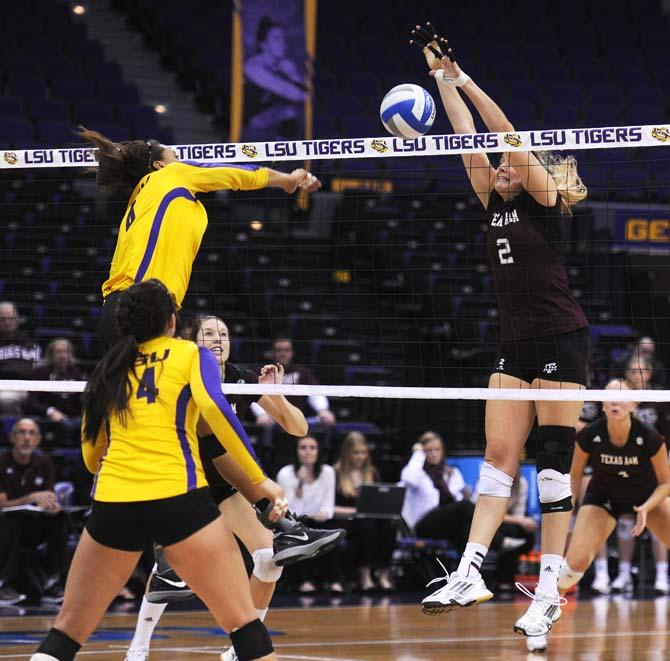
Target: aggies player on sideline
{"points": [[630, 476], [543, 341]]}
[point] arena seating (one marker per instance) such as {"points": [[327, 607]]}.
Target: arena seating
{"points": [[53, 77]]}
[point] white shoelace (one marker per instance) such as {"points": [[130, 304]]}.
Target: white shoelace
{"points": [[543, 596], [440, 578]]}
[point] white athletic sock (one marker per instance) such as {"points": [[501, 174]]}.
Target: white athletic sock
{"points": [[262, 612], [471, 560], [661, 568], [550, 568], [600, 566], [624, 568], [147, 619]]}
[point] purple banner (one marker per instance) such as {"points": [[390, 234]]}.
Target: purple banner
{"points": [[275, 90]]}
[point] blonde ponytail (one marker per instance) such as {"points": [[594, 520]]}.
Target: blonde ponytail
{"points": [[563, 170]]}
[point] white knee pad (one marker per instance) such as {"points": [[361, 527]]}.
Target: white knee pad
{"points": [[568, 577], [493, 482], [554, 487], [625, 527], [42, 657], [265, 569]]}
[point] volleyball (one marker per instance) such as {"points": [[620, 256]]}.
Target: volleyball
{"points": [[407, 111]]}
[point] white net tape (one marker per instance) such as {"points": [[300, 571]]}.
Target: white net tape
{"points": [[390, 392], [652, 135]]}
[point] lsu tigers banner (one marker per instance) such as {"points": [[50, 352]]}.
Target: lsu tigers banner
{"points": [[652, 135], [273, 49]]}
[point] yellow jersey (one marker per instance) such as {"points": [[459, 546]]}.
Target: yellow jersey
{"points": [[162, 228], [155, 453]]}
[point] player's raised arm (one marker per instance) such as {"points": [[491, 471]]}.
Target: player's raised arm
{"points": [[206, 390], [206, 177], [534, 176], [477, 166]]}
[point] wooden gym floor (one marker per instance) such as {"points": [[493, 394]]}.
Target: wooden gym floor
{"points": [[614, 629]]}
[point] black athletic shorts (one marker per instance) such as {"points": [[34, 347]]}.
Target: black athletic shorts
{"points": [[222, 491], [108, 330], [613, 507], [552, 358], [130, 526]]}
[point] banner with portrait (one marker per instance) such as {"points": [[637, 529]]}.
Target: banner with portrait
{"points": [[274, 46]]}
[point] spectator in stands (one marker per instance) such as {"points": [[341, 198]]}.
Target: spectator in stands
{"points": [[318, 405], [60, 366], [274, 88], [27, 477], [18, 357], [646, 348], [309, 485], [517, 531], [436, 505], [373, 539], [639, 373]]}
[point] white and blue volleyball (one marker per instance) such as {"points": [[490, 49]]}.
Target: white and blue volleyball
{"points": [[407, 111]]}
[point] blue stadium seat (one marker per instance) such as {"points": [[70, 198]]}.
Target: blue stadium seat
{"points": [[17, 62], [118, 93], [16, 133], [61, 66], [29, 87], [57, 134], [49, 110], [133, 115], [11, 106], [73, 88], [94, 113]]}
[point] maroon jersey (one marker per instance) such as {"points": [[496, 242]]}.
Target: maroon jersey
{"points": [[209, 447], [523, 244], [622, 473], [18, 480]]}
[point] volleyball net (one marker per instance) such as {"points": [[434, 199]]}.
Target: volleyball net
{"points": [[381, 279]]}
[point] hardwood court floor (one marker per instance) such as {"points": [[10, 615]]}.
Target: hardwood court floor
{"points": [[602, 630]]}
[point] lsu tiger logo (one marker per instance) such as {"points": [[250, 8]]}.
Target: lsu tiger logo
{"points": [[380, 146], [512, 139], [250, 151], [662, 134], [10, 157]]}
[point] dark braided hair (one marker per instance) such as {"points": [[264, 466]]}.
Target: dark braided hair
{"points": [[143, 313], [121, 165]]}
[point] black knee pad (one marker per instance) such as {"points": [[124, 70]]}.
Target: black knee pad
{"points": [[252, 641], [59, 645], [555, 446]]}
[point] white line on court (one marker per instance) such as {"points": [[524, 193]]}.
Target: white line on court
{"points": [[396, 641]]}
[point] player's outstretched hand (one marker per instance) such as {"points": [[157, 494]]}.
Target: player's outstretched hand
{"points": [[439, 55], [302, 179], [275, 494], [640, 521], [272, 374], [434, 47]]}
